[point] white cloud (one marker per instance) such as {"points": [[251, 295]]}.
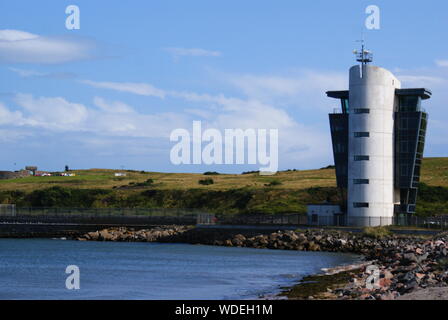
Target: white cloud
{"points": [[299, 144], [16, 35], [205, 114], [52, 113], [268, 104], [23, 47], [302, 90], [143, 89], [241, 113], [192, 52], [109, 119], [442, 63], [420, 80], [9, 117], [11, 136], [32, 73], [115, 118], [140, 125], [262, 85], [26, 73], [112, 107]]}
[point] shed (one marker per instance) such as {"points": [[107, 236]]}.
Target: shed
{"points": [[325, 214]]}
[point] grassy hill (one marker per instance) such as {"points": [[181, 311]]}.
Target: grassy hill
{"points": [[287, 191], [105, 179]]}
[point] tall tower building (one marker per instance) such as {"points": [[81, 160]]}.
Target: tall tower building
{"points": [[378, 140]]}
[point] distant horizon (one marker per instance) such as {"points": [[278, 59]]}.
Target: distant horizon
{"points": [[192, 172]]}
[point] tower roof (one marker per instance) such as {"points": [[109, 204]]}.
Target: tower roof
{"points": [[338, 94], [421, 92]]}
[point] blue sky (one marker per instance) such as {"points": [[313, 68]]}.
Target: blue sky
{"points": [[109, 94]]}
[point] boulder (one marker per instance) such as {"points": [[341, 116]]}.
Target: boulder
{"points": [[408, 258], [93, 235]]}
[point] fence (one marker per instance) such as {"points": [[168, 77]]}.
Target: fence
{"points": [[141, 216], [115, 216], [285, 219], [102, 212], [439, 222], [8, 209], [12, 214]]}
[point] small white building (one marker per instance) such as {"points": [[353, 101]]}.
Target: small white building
{"points": [[324, 214], [120, 174]]}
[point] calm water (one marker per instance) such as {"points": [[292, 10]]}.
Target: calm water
{"points": [[35, 269]]}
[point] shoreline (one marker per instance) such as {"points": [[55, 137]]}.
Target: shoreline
{"points": [[311, 281], [402, 265]]}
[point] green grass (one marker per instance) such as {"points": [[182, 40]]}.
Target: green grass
{"points": [[377, 232], [434, 173], [284, 192], [316, 286], [104, 179]]}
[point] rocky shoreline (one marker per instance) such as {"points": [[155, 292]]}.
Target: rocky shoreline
{"points": [[123, 234], [395, 265]]}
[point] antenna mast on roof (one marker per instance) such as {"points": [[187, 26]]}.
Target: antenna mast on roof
{"points": [[364, 56]]}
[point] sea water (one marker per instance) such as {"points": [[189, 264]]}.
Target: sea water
{"points": [[36, 269]]}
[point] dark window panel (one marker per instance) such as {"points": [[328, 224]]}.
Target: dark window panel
{"points": [[360, 204]]}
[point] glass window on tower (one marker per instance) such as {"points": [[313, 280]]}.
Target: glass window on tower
{"points": [[404, 171], [360, 204], [404, 146], [410, 103], [403, 123], [361, 158], [423, 124], [362, 110], [344, 105]]}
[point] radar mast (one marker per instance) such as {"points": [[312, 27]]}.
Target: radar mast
{"points": [[364, 56]]}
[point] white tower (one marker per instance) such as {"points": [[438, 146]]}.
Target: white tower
{"points": [[370, 196], [378, 139]]}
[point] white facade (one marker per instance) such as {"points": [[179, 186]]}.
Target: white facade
{"points": [[120, 174], [371, 145]]}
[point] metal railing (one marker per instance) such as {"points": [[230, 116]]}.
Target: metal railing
{"points": [[13, 214], [141, 215], [337, 111], [278, 219], [437, 222], [7, 209], [96, 212], [99, 216]]}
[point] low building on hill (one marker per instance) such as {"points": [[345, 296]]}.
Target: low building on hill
{"points": [[120, 174], [14, 174]]}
